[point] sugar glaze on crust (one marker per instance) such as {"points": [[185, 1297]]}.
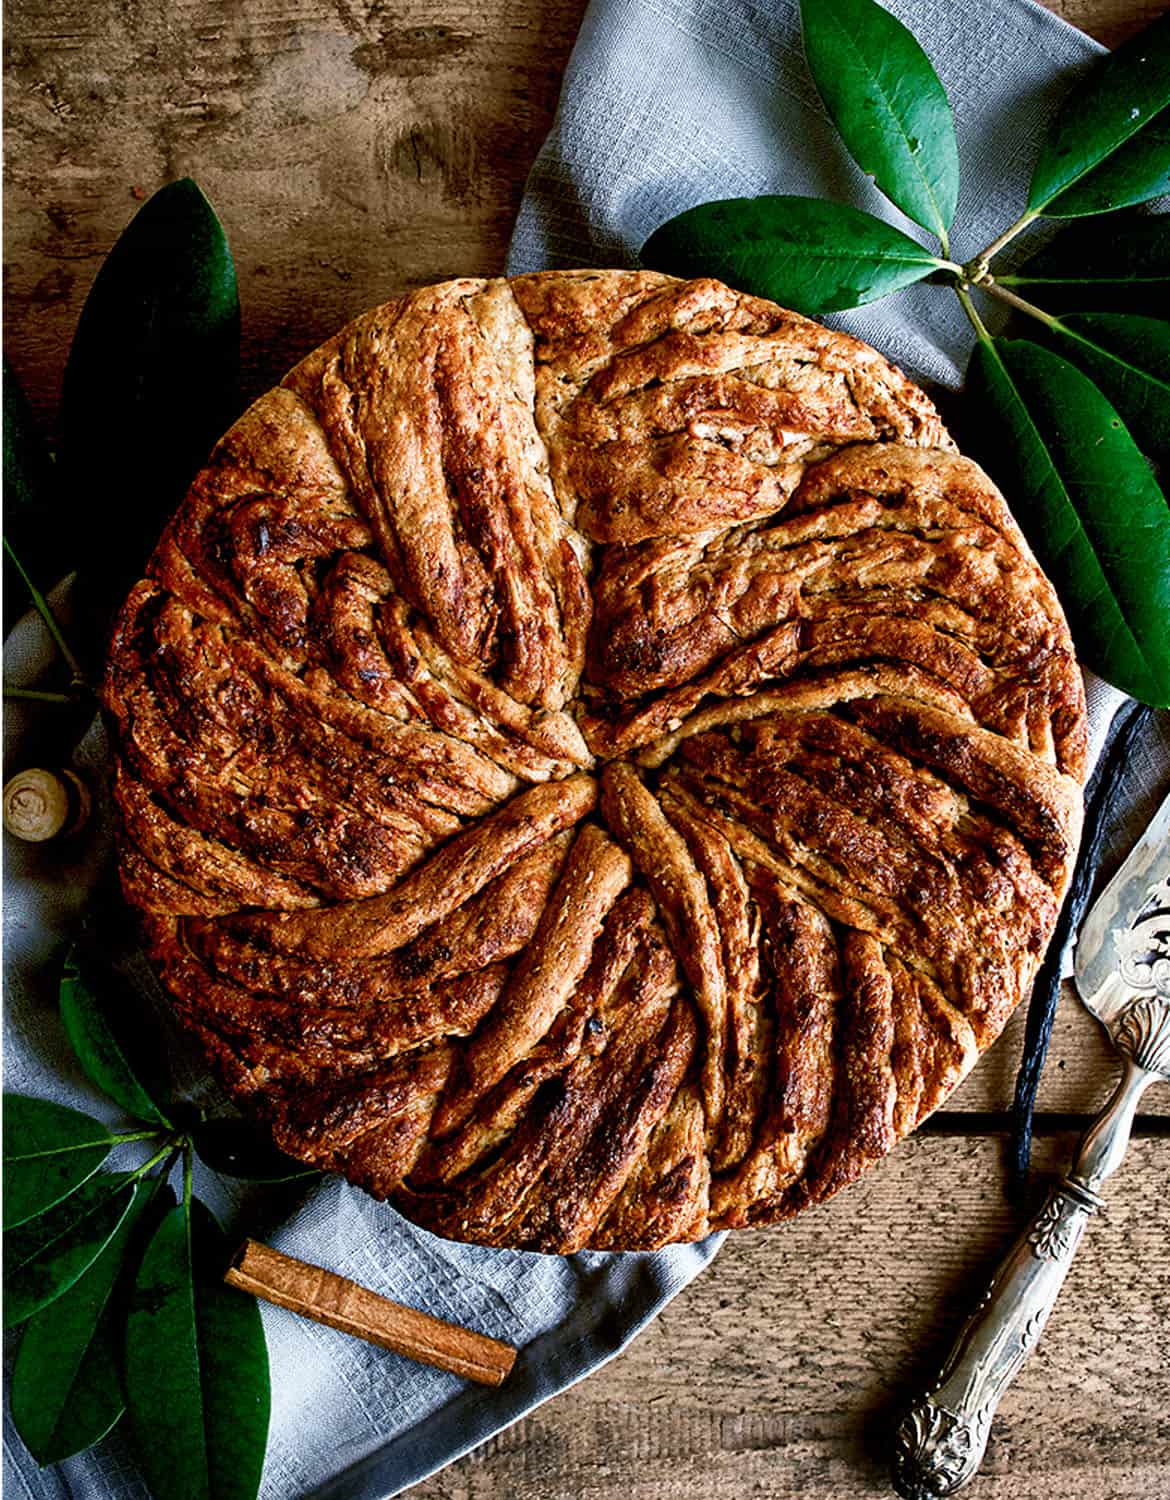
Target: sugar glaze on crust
{"points": [[596, 766]]}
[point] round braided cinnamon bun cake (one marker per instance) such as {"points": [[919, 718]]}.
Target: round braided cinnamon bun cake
{"points": [[596, 765]]}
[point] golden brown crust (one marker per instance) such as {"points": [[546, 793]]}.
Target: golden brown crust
{"points": [[595, 765]]}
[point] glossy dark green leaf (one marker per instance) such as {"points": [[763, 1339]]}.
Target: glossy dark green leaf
{"points": [[888, 104], [1109, 145], [196, 1367], [1124, 270], [805, 253], [233, 1359], [150, 383], [66, 1389], [1135, 173], [242, 1148], [49, 1151], [1086, 499], [164, 1394], [30, 524], [56, 1423], [1128, 359], [92, 1038], [48, 1255]]}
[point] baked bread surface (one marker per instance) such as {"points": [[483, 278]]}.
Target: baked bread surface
{"points": [[596, 765]]}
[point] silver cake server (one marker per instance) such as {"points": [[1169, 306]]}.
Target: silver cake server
{"points": [[1122, 970]]}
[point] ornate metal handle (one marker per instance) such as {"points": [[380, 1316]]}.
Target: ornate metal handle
{"points": [[940, 1443]]}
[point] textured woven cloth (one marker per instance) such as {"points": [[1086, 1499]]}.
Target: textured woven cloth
{"points": [[666, 102], [669, 103]]}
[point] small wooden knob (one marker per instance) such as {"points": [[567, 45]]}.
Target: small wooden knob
{"points": [[41, 805]]}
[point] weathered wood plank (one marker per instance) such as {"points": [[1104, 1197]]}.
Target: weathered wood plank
{"points": [[1110, 21], [351, 149], [1077, 1078], [780, 1371]]}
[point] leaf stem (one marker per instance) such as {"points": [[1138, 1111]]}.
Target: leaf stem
{"points": [[34, 695], [41, 605], [187, 1172], [994, 289], [990, 251], [135, 1135], [153, 1162], [977, 322]]}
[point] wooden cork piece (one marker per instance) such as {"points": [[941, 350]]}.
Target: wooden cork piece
{"points": [[40, 805], [340, 1303]]}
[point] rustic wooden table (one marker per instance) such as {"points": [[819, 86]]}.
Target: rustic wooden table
{"points": [[353, 147]]}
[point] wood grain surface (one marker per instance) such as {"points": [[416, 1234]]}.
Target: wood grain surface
{"points": [[354, 147], [351, 148], [781, 1371]]}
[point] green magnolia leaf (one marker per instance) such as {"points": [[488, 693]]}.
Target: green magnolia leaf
{"points": [[1126, 270], [29, 522], [1135, 173], [1110, 143], [66, 1389], [163, 1390], [97, 1048], [1128, 359], [1088, 504], [49, 1151], [44, 1258], [233, 1357], [888, 104], [196, 1367], [241, 1148], [807, 254], [54, 1422], [150, 383]]}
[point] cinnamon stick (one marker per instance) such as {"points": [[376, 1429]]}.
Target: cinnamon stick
{"points": [[340, 1303]]}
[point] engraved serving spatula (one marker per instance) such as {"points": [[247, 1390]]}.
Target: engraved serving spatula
{"points": [[1122, 970]]}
